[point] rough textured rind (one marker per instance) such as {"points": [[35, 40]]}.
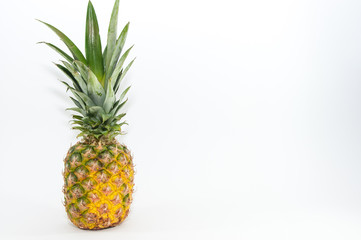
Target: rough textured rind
{"points": [[98, 184]]}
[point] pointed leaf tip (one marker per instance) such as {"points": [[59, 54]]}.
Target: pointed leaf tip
{"points": [[93, 49], [71, 46], [112, 34]]}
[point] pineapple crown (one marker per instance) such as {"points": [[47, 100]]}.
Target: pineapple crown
{"points": [[96, 77]]}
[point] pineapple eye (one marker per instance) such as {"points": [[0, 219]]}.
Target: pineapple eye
{"points": [[94, 164], [77, 190], [113, 167], [81, 172], [71, 179], [89, 184]]}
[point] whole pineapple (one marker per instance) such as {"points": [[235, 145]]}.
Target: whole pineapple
{"points": [[98, 172]]}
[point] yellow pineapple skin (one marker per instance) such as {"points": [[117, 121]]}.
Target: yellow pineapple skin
{"points": [[98, 184]]}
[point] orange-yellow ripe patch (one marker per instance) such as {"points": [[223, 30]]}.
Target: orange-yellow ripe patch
{"points": [[98, 184]]}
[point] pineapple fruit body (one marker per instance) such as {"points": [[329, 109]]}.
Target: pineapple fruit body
{"points": [[98, 184]]}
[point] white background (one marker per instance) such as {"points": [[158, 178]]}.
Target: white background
{"points": [[244, 119]]}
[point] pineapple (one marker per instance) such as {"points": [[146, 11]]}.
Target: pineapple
{"points": [[98, 171]]}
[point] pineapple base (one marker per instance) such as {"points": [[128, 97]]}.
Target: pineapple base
{"points": [[98, 184]]}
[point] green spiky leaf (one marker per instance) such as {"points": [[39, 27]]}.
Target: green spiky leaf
{"points": [[117, 108], [121, 76], [112, 33], [95, 89], [71, 46], [120, 116], [117, 51], [82, 69], [93, 48], [77, 103], [106, 116], [82, 97], [124, 93], [77, 77], [68, 73], [79, 110], [119, 66], [61, 52], [68, 86], [104, 58], [77, 117], [96, 110], [109, 99]]}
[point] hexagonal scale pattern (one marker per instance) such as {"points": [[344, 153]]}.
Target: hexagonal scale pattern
{"points": [[98, 184]]}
